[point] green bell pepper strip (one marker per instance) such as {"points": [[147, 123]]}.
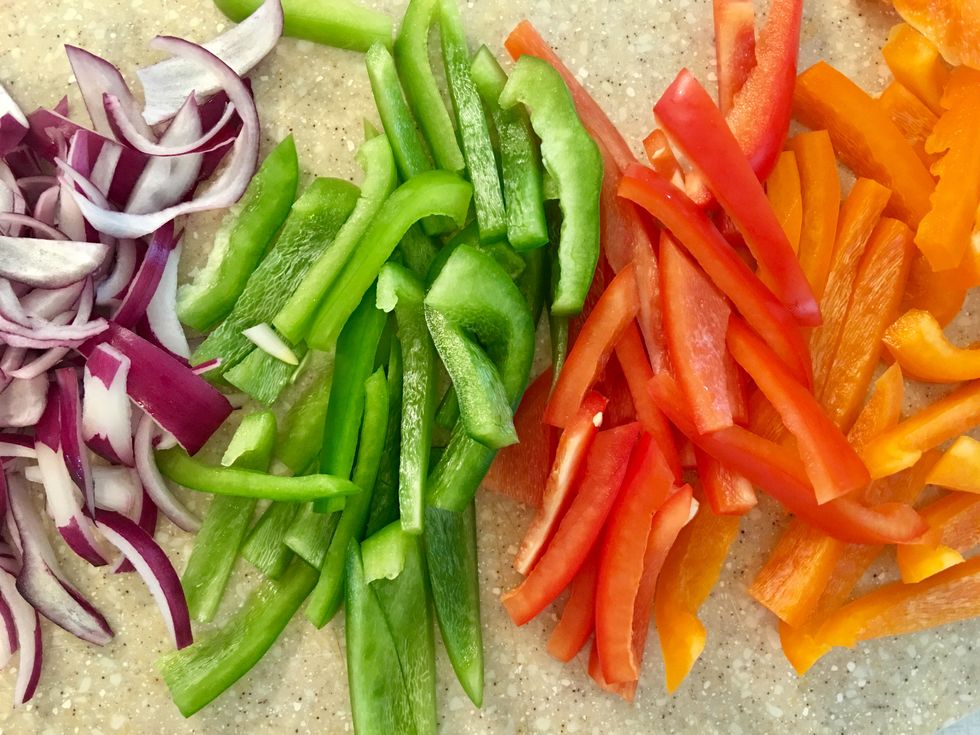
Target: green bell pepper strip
{"points": [[378, 696], [450, 549], [412, 59], [384, 552], [196, 675], [313, 223], [241, 240], [176, 465], [310, 534], [429, 193], [329, 591], [401, 292], [573, 159], [226, 523], [384, 500], [404, 600], [301, 436], [262, 376], [353, 364], [418, 251], [265, 547], [338, 23], [500, 251], [533, 281], [380, 178], [471, 120], [448, 413], [520, 159], [558, 329]]}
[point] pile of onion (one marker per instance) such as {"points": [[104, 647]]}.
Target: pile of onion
{"points": [[94, 372]]}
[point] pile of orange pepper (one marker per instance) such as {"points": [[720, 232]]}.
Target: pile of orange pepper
{"points": [[743, 310]]}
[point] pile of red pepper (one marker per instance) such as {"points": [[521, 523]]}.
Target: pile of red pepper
{"points": [[734, 329]]}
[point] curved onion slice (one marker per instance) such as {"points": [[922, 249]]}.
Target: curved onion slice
{"points": [[207, 366], [127, 132], [152, 564], [41, 581], [144, 513], [226, 189], [54, 355], [23, 401], [147, 279], [72, 444], [8, 636], [15, 445], [117, 489], [39, 227], [46, 206], [168, 83], [106, 411], [48, 263], [48, 303], [13, 123], [156, 487], [96, 77], [123, 268], [266, 339], [161, 312], [27, 626]]}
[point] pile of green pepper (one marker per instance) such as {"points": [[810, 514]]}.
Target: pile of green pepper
{"points": [[412, 302]]}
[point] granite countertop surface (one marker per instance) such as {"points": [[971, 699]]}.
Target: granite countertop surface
{"points": [[626, 52]]}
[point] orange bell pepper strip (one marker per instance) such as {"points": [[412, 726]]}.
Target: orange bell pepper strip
{"points": [[602, 478], [577, 619], [944, 419], [573, 448], [941, 293], [695, 321], [921, 561], [615, 311], [916, 64], [734, 48], [944, 233], [778, 471], [633, 360], [877, 293], [694, 230], [911, 116], [957, 515], [648, 483], [520, 471], [700, 131], [883, 409], [952, 26], [626, 691], [917, 343], [691, 571], [897, 608], [959, 467], [785, 193], [859, 213], [661, 157], [831, 463], [728, 493], [865, 139], [820, 190]]}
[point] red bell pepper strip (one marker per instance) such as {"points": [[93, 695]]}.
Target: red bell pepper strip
{"points": [[602, 479], [697, 127], [613, 385], [728, 493], [573, 447], [734, 47], [831, 463], [626, 690], [661, 157], [577, 619], [694, 230], [633, 360], [777, 471], [648, 291], [696, 321], [615, 311], [648, 483]]}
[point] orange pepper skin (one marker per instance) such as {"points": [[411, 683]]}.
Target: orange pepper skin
{"points": [[866, 140], [952, 26], [903, 445], [941, 293], [883, 409], [877, 294], [734, 47], [916, 64], [784, 190], [921, 561], [917, 343], [661, 157], [911, 116], [957, 514], [690, 572], [577, 619], [944, 233], [959, 467], [820, 192], [727, 492]]}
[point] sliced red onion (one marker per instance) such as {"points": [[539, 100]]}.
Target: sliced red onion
{"points": [[168, 83], [117, 489], [15, 445], [70, 219], [96, 77], [46, 207], [207, 366], [48, 263], [27, 627], [266, 339], [41, 580], [53, 355], [46, 303], [153, 566], [49, 128], [112, 168], [125, 131], [23, 401], [15, 202], [147, 279], [164, 387], [106, 410], [123, 268], [161, 312], [13, 123], [72, 444], [8, 637], [145, 516], [153, 482], [10, 306], [11, 219], [227, 188]]}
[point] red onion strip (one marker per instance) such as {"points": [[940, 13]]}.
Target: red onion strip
{"points": [[106, 410], [27, 625], [153, 482]]}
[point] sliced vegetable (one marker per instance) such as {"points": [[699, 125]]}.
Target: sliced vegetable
{"points": [[734, 48], [577, 621], [784, 191], [916, 64], [958, 467], [265, 547]]}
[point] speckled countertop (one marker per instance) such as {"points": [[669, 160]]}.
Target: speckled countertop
{"points": [[625, 51]]}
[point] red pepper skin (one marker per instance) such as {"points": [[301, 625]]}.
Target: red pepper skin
{"points": [[605, 468], [693, 229], [728, 493], [627, 690], [831, 463], [578, 616], [697, 126], [734, 48], [778, 472]]}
